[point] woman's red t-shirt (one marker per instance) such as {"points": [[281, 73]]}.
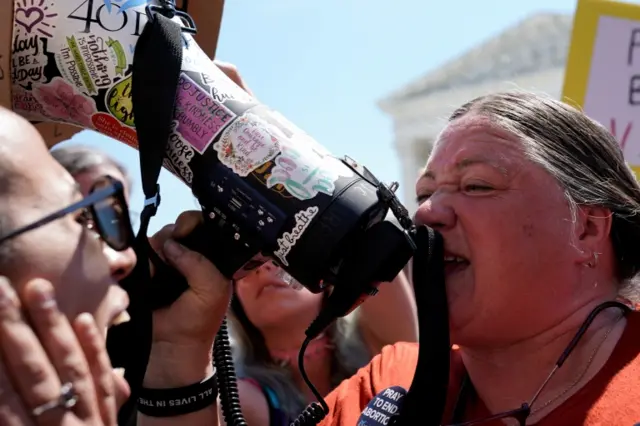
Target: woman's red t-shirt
{"points": [[611, 398]]}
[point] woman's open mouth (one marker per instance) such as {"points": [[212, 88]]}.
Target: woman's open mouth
{"points": [[117, 317], [454, 264], [273, 285]]}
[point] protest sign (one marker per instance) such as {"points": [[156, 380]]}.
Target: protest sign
{"points": [[603, 70]]}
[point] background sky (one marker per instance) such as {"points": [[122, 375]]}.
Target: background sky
{"points": [[325, 63]]}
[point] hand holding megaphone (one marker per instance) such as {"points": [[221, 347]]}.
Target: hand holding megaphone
{"points": [[232, 72]]}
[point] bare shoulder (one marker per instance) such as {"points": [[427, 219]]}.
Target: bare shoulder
{"points": [[254, 404]]}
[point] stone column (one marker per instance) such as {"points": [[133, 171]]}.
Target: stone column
{"points": [[412, 158]]}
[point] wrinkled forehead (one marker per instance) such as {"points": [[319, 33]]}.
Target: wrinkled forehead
{"points": [[48, 183], [475, 139]]}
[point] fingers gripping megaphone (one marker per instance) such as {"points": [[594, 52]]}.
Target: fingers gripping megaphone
{"points": [[268, 191]]}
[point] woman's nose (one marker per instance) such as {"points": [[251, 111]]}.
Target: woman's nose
{"points": [[436, 213], [121, 263]]}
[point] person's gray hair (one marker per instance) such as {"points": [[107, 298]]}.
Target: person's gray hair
{"points": [[77, 159], [583, 156]]}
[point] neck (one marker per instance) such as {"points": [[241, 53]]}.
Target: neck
{"points": [[505, 378], [282, 338], [284, 347]]}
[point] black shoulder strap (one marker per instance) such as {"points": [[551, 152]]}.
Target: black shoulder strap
{"points": [[157, 63]]}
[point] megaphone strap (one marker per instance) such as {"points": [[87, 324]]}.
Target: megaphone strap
{"points": [[156, 69]]}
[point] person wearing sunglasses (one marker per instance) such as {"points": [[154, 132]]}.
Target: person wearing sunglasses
{"points": [[52, 248], [49, 233]]}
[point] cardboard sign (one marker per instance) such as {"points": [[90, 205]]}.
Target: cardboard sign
{"points": [[207, 15], [54, 133], [603, 70]]}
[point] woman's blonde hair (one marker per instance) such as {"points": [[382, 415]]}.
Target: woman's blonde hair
{"points": [[253, 360]]}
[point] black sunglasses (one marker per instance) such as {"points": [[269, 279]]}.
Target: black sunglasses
{"points": [[105, 208]]}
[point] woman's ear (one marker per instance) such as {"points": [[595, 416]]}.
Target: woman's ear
{"points": [[592, 230]]}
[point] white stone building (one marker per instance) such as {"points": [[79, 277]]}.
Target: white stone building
{"points": [[530, 55]]}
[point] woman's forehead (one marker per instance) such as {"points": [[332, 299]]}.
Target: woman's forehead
{"points": [[88, 177], [472, 140]]}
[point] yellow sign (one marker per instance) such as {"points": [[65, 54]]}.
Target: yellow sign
{"points": [[603, 70]]}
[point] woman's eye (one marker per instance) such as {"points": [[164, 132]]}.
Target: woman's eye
{"points": [[477, 188], [421, 198], [84, 218]]}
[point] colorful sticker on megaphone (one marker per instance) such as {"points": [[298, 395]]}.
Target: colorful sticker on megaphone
{"points": [[200, 119], [251, 141], [61, 101], [68, 56], [179, 154], [248, 143], [90, 61], [288, 240]]}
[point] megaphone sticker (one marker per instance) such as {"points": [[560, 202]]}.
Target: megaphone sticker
{"points": [[90, 62], [73, 58], [247, 144], [200, 118], [289, 239], [119, 101], [63, 102], [109, 126], [180, 154]]}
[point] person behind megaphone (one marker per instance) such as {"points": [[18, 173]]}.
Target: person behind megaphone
{"points": [[268, 322]]}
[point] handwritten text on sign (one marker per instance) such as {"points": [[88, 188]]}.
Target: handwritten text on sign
{"points": [[613, 90]]}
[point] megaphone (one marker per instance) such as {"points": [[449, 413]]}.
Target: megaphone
{"points": [[131, 70]]}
